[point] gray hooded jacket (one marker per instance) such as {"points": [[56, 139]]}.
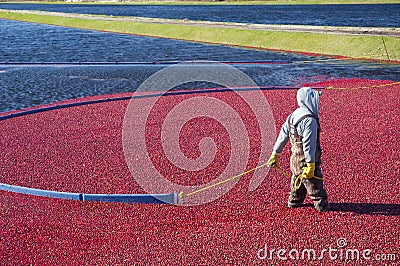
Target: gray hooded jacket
{"points": [[308, 100]]}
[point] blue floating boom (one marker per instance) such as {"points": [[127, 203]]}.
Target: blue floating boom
{"points": [[161, 62], [171, 198]]}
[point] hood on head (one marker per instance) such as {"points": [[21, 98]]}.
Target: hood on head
{"points": [[309, 99]]}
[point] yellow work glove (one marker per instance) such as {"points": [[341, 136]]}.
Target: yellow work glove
{"points": [[273, 161], [308, 171]]}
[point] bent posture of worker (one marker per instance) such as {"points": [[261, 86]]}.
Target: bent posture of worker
{"points": [[302, 128]]}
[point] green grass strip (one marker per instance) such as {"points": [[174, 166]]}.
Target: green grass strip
{"points": [[367, 47], [226, 2]]}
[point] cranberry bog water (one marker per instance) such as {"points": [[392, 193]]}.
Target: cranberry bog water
{"points": [[79, 149]]}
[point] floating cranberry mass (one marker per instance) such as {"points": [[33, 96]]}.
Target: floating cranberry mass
{"points": [[79, 149]]}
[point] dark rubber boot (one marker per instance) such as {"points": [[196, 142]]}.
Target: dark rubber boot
{"points": [[316, 191]]}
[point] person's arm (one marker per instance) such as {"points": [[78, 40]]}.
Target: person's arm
{"points": [[282, 139], [280, 143]]}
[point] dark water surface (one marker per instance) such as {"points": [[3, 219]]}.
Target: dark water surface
{"points": [[28, 85], [369, 15]]}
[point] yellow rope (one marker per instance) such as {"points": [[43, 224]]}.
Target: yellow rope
{"points": [[364, 87], [297, 182], [299, 178], [234, 179], [283, 172]]}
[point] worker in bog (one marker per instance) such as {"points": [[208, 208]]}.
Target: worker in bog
{"points": [[302, 128]]}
